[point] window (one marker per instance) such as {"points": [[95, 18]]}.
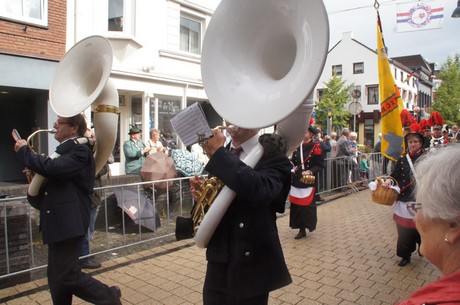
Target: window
{"points": [[121, 18], [320, 94], [190, 34], [373, 95], [358, 68], [27, 11], [369, 132], [401, 76], [337, 70]]}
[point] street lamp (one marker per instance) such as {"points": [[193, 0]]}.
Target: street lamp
{"points": [[329, 121], [456, 12]]}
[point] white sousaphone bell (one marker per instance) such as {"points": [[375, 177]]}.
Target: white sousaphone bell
{"points": [[82, 80], [261, 60]]}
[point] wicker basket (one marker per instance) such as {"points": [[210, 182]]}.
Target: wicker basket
{"points": [[383, 195]]}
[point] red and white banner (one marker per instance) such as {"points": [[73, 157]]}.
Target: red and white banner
{"points": [[421, 15]]}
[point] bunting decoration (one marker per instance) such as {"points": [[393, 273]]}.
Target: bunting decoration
{"points": [[391, 103]]}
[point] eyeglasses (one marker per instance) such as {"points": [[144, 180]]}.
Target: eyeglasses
{"points": [[60, 123], [413, 206]]}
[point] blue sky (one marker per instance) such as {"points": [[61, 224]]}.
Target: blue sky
{"points": [[359, 17]]}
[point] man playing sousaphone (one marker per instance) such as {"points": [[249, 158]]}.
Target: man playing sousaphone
{"points": [[245, 259], [64, 204]]}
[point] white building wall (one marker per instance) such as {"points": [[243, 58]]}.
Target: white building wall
{"points": [[148, 62], [349, 51]]}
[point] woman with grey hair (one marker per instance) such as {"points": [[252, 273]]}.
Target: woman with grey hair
{"points": [[437, 217]]}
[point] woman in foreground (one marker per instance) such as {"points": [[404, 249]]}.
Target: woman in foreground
{"points": [[437, 218]]}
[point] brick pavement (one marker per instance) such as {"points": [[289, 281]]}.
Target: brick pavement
{"points": [[349, 259]]}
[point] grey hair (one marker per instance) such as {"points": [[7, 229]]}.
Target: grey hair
{"points": [[345, 132], [437, 176]]}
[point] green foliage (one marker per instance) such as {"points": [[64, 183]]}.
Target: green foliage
{"points": [[447, 99], [335, 96]]}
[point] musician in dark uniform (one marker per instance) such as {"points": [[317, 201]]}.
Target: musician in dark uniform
{"points": [[64, 205], [403, 173], [245, 258], [303, 207]]}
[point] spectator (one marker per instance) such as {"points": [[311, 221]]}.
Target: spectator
{"points": [[344, 154], [333, 144], [454, 135], [364, 167], [135, 152], [354, 167], [90, 262], [437, 218], [154, 142]]}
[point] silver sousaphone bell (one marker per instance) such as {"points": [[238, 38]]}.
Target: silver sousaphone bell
{"points": [[261, 60], [81, 80]]}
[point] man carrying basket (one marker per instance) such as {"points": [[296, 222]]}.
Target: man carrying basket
{"points": [[403, 173]]}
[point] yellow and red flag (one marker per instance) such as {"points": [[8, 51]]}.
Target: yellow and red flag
{"points": [[391, 103]]}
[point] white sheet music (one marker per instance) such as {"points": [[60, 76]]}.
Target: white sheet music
{"points": [[189, 123]]}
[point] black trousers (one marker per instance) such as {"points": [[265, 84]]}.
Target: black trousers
{"points": [[408, 238], [66, 279], [215, 290]]}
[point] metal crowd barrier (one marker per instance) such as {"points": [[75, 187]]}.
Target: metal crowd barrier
{"points": [[134, 214]]}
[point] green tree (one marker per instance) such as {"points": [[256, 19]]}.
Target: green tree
{"points": [[447, 99], [334, 97]]}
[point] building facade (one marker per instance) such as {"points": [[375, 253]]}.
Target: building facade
{"points": [[156, 64], [357, 64], [32, 41]]}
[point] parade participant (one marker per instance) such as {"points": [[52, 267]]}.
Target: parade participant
{"points": [[245, 258], [437, 137], [425, 127], [403, 173], [437, 219], [135, 152], [303, 214], [64, 204]]}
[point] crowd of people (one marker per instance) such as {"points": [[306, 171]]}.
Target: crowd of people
{"points": [[245, 263]]}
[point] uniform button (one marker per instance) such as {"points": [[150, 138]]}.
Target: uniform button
{"points": [[48, 211], [241, 225], [247, 253], [46, 193]]}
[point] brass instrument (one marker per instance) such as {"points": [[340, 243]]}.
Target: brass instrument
{"points": [[259, 72], [207, 193], [31, 137], [202, 139], [82, 79], [30, 174]]}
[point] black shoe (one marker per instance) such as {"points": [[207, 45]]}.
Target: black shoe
{"points": [[404, 262], [117, 294], [89, 263], [302, 233]]}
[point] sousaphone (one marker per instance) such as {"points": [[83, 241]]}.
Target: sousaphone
{"points": [[261, 60], [82, 79]]}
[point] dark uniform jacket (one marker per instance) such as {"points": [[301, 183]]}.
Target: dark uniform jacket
{"points": [[63, 200], [247, 236], [315, 162], [403, 174]]}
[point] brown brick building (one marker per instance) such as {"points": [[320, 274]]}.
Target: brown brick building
{"points": [[32, 41]]}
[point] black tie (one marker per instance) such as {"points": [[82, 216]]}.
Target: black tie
{"points": [[236, 150]]}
